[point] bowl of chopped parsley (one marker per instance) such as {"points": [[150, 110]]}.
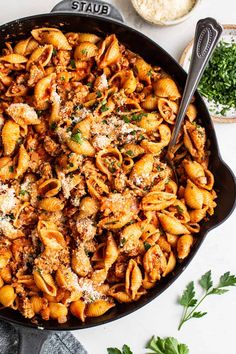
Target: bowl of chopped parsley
{"points": [[218, 84]]}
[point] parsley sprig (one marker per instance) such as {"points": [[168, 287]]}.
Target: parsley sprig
{"points": [[190, 303], [168, 345], [157, 345]]}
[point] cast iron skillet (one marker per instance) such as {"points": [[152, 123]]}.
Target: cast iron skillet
{"points": [[225, 185]]}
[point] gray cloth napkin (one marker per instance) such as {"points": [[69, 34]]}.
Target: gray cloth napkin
{"points": [[59, 342]]}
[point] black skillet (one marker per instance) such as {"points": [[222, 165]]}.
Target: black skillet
{"points": [[102, 19]]}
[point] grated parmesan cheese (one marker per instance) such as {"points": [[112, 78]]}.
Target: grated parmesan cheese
{"points": [[6, 226], [66, 185], [164, 10], [8, 199], [55, 98], [103, 84], [22, 110], [89, 293], [101, 141]]}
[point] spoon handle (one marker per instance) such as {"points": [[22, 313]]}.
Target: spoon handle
{"points": [[207, 34]]}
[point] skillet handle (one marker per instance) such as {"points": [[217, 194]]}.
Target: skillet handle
{"points": [[89, 7], [31, 341]]}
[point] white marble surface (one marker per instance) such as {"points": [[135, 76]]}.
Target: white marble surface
{"points": [[215, 333]]}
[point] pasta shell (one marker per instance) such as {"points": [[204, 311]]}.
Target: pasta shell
{"points": [[170, 264], [150, 103], [197, 215], [23, 162], [58, 312], [5, 256], [98, 308], [52, 239], [184, 245], [168, 109], [14, 58], [88, 37], [37, 303], [193, 195], [10, 136], [23, 114], [51, 204], [143, 167], [6, 168], [41, 91], [45, 283], [88, 207], [83, 148], [109, 53], [41, 56], [77, 308], [85, 51], [166, 87], [191, 112], [124, 79], [172, 225], [5, 79], [150, 122], [7, 295], [111, 251], [80, 262], [133, 279], [143, 70], [114, 156], [154, 262], [157, 200], [26, 46], [50, 187]]}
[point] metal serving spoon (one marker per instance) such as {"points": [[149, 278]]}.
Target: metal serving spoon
{"points": [[207, 34]]}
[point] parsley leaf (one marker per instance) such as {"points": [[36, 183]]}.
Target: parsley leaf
{"points": [[188, 300], [146, 245], [167, 345], [129, 152], [73, 64], [188, 297], [77, 137], [104, 108], [113, 351], [206, 281]]}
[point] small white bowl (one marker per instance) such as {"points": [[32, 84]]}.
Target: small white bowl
{"points": [[165, 22], [229, 35]]}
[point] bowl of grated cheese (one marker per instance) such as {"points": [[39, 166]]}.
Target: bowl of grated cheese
{"points": [[165, 12]]}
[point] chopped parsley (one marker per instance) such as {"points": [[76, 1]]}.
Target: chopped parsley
{"points": [[179, 209], [104, 108], [138, 117], [147, 246], [54, 52], [77, 137], [11, 169], [122, 242], [39, 113], [23, 192], [84, 51], [126, 119], [99, 94], [130, 152], [218, 83], [72, 64], [53, 126], [105, 121], [149, 73], [11, 216], [89, 84]]}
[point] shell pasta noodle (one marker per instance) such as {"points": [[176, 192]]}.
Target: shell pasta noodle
{"points": [[90, 214]]}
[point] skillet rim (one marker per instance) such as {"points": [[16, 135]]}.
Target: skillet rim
{"points": [[180, 268]]}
